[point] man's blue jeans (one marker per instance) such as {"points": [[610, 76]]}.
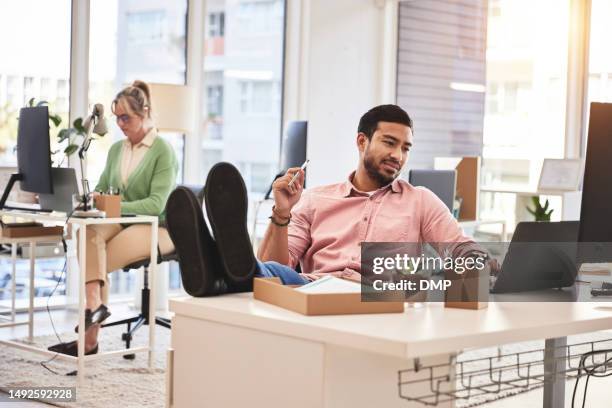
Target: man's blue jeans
{"points": [[287, 275]]}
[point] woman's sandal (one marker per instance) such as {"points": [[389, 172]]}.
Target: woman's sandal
{"points": [[71, 348]]}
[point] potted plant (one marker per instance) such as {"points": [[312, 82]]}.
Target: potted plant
{"points": [[541, 213]]}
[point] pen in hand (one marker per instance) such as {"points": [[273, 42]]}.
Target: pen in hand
{"points": [[297, 173]]}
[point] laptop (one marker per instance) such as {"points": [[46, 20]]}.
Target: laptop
{"points": [[65, 185], [541, 255], [441, 182]]}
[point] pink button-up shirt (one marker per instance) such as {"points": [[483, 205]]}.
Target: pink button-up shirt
{"points": [[329, 223]]}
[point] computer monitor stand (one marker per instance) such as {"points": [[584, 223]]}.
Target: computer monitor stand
{"points": [[15, 177]]}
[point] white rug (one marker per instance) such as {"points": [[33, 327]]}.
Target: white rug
{"points": [[110, 382]]}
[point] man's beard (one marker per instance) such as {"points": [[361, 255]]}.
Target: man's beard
{"points": [[370, 166]]}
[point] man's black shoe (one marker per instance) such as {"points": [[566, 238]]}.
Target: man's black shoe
{"points": [[226, 201], [201, 272]]}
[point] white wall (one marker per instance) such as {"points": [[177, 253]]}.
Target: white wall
{"points": [[334, 74]]}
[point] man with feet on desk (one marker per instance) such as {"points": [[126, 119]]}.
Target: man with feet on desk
{"points": [[320, 228]]}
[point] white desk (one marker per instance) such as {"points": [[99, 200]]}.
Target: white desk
{"points": [[82, 223], [234, 351]]}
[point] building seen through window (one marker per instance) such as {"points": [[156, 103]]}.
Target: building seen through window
{"points": [[243, 65], [34, 63]]}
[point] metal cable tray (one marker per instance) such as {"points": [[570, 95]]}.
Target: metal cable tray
{"points": [[503, 372]]}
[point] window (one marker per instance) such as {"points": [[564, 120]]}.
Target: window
{"points": [[214, 29], [40, 46], [216, 24], [600, 60], [46, 89], [260, 17], [525, 83], [149, 44], [210, 156], [261, 176], [257, 97], [145, 26], [492, 98], [24, 52], [526, 95], [241, 118], [29, 89], [129, 40], [214, 95]]}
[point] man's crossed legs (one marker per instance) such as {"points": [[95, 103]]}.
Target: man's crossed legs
{"points": [[226, 263]]}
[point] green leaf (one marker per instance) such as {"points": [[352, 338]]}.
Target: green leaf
{"points": [[65, 134], [31, 102], [70, 149], [56, 119], [78, 125], [42, 103]]}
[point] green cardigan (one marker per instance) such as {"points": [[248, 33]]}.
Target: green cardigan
{"points": [[149, 186]]}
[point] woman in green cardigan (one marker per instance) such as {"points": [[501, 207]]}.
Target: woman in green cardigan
{"points": [[143, 167]]}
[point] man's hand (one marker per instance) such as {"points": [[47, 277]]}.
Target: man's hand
{"points": [[286, 196], [495, 267]]}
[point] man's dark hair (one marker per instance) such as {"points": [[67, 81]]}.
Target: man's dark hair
{"points": [[382, 113]]}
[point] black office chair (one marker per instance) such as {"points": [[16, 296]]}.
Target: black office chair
{"points": [[134, 323], [293, 155], [294, 149]]}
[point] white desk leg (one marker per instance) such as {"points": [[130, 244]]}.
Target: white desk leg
{"points": [[82, 265], [31, 306], [554, 364], [13, 280], [152, 276]]}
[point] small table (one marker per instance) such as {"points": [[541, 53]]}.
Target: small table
{"points": [[14, 242], [83, 223]]}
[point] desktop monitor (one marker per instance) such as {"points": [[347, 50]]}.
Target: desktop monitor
{"points": [[595, 231], [34, 151]]}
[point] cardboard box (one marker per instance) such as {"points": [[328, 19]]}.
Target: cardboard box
{"points": [[110, 204], [271, 290], [30, 230], [467, 291], [468, 179]]}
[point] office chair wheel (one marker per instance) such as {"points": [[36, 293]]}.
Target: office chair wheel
{"points": [[129, 356]]}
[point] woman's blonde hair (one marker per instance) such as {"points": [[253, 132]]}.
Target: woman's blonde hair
{"points": [[135, 99]]}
